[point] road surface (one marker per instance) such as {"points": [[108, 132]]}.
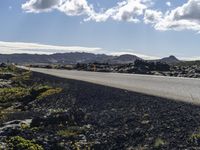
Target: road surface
{"points": [[183, 89]]}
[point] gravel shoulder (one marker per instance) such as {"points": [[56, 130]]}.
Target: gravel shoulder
{"points": [[112, 119]]}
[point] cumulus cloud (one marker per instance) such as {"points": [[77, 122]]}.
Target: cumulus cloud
{"points": [[76, 7], [185, 17], [127, 10], [69, 7], [152, 16], [35, 48], [37, 6]]}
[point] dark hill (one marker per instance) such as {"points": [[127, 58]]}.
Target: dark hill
{"points": [[124, 59], [66, 58], [170, 60]]}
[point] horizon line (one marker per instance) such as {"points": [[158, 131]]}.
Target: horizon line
{"points": [[46, 49]]}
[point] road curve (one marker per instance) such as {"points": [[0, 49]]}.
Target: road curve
{"points": [[183, 89]]}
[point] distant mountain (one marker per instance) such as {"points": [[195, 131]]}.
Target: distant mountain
{"points": [[123, 59], [73, 58], [170, 60], [76, 57], [66, 58]]}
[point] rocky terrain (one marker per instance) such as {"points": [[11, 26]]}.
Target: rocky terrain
{"points": [[43, 112], [178, 69]]}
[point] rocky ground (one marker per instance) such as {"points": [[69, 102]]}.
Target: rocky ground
{"points": [[181, 69], [144, 67], [52, 113]]}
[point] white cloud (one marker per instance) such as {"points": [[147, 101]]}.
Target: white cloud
{"points": [[69, 7], [185, 17], [190, 58], [127, 10], [168, 3], [37, 6], [76, 7], [33, 48], [143, 56], [100, 17], [152, 16]]}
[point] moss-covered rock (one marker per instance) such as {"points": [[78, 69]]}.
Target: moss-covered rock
{"points": [[19, 143], [48, 92], [13, 94]]}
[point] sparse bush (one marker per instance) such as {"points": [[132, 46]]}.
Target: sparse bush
{"points": [[19, 143], [13, 94], [67, 133], [49, 92], [71, 131], [195, 138], [22, 79], [159, 143]]}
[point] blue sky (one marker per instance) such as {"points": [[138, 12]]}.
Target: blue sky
{"points": [[149, 28]]}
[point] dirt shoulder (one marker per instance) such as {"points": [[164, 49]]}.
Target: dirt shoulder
{"points": [[84, 115]]}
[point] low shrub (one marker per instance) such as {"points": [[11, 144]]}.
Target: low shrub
{"points": [[67, 133], [48, 92], [159, 143], [13, 94], [195, 139], [19, 143]]}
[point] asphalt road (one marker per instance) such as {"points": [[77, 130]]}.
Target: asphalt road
{"points": [[183, 89]]}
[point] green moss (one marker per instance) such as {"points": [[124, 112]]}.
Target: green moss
{"points": [[9, 68], [49, 92], [38, 89], [159, 142], [35, 129], [195, 138], [24, 126], [22, 79], [19, 143], [71, 131], [13, 94], [67, 133]]}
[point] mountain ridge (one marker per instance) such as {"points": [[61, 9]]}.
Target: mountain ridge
{"points": [[75, 57]]}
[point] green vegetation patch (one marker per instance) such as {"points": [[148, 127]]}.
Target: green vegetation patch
{"points": [[19, 143], [23, 79], [67, 133], [195, 138], [71, 131], [9, 68], [13, 94], [48, 92], [19, 77], [159, 143]]}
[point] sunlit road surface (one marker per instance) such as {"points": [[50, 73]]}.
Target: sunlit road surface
{"points": [[183, 89]]}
